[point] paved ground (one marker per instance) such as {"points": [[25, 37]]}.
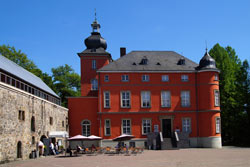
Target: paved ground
{"points": [[225, 157]]}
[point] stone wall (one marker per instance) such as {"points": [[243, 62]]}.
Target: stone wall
{"points": [[13, 130]]}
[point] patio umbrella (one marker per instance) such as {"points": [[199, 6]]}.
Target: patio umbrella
{"points": [[93, 137], [123, 137], [78, 137]]}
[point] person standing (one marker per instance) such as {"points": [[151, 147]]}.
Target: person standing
{"points": [[52, 149], [41, 148]]}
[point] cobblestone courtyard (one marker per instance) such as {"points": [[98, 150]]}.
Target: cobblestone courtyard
{"points": [[225, 157]]}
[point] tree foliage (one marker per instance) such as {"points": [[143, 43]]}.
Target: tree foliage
{"points": [[234, 90], [64, 81]]}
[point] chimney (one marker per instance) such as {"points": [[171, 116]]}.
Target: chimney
{"points": [[122, 51]]}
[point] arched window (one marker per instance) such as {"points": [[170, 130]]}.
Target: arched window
{"points": [[94, 84], [19, 149], [33, 124], [86, 128]]}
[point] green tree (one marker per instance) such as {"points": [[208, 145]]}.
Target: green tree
{"points": [[66, 82], [234, 92]]}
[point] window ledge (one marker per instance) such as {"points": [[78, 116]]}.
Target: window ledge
{"points": [[125, 107], [186, 106], [165, 106]]}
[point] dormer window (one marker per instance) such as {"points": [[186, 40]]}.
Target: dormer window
{"points": [[181, 62], [144, 61]]}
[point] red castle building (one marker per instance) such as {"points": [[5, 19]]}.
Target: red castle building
{"points": [[143, 92]]}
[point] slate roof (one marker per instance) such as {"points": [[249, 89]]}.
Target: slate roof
{"points": [[156, 61], [16, 70]]}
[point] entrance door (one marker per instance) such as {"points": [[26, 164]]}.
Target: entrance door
{"points": [[166, 128], [19, 150]]}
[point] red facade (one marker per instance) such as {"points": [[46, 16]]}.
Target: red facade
{"points": [[134, 106]]}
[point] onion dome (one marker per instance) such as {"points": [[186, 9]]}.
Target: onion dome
{"points": [[207, 62], [95, 41]]}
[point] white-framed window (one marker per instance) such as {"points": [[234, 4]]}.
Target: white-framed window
{"points": [[184, 78], [93, 64], [126, 126], [185, 98], [146, 126], [106, 95], [164, 78], [165, 99], [107, 127], [106, 78], [145, 99], [86, 128], [125, 78], [125, 99], [216, 77], [145, 78], [216, 98], [186, 124], [217, 125], [94, 84]]}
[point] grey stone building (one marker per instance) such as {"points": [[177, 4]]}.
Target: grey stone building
{"points": [[29, 112]]}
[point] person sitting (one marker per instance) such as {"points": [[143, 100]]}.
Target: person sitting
{"points": [[118, 148], [69, 150], [126, 148], [79, 149], [93, 148]]}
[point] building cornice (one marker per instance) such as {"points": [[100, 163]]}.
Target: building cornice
{"points": [[155, 112], [144, 71], [161, 71], [166, 84]]}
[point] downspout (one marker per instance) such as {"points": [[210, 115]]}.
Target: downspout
{"points": [[100, 106], [197, 112]]}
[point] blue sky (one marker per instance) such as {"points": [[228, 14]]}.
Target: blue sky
{"points": [[51, 32]]}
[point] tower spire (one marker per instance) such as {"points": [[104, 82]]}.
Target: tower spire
{"points": [[95, 14], [95, 25], [206, 45]]}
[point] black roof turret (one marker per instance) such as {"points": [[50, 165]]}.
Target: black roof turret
{"points": [[95, 41], [207, 62]]}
